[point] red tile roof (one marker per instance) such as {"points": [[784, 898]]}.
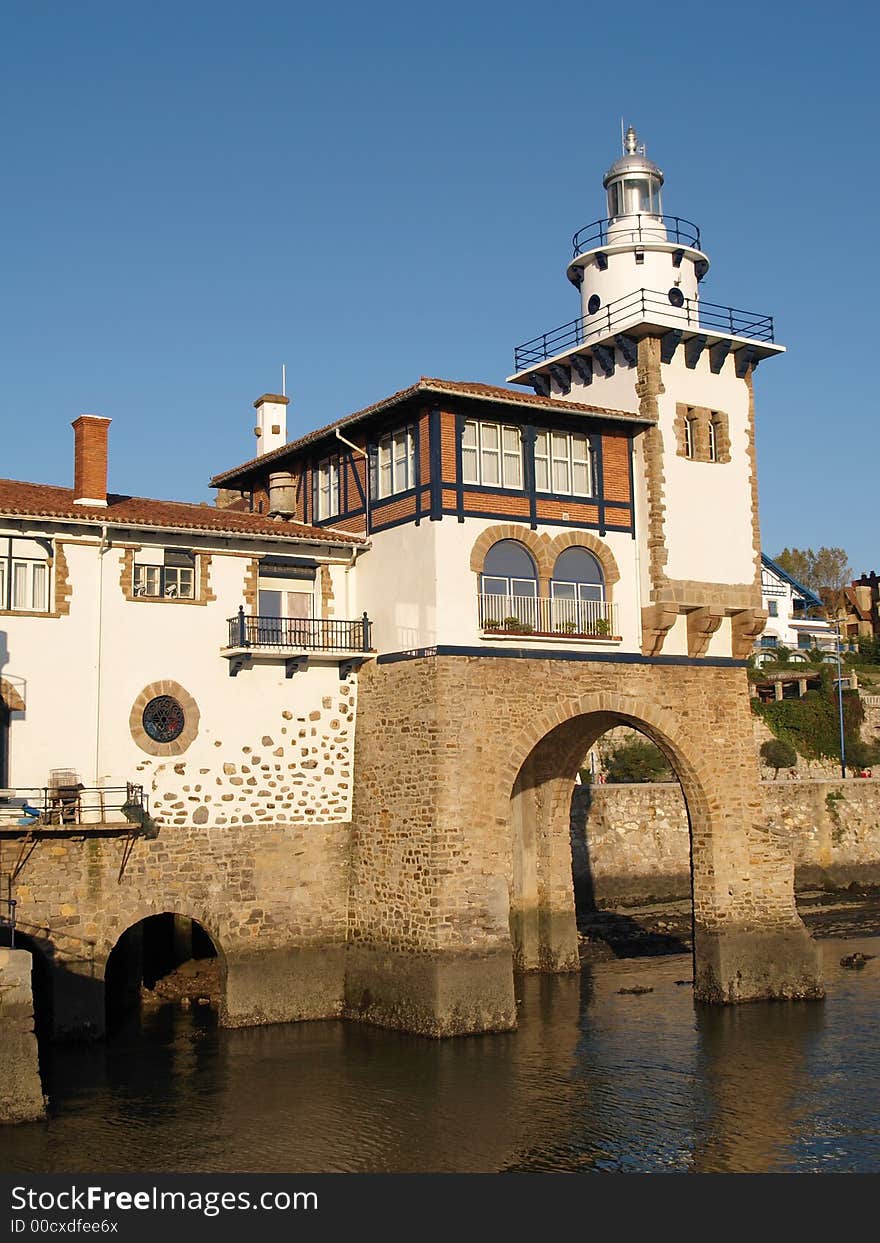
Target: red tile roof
{"points": [[428, 385], [38, 500]]}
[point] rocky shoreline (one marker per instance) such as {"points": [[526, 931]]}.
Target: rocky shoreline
{"points": [[665, 927]]}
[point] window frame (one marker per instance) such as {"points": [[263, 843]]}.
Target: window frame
{"points": [[549, 458], [167, 575], [325, 489], [503, 456], [35, 568], [396, 463]]}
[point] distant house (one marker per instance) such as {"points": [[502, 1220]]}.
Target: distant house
{"points": [[792, 609], [855, 607]]}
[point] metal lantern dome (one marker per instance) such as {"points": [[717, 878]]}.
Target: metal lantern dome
{"points": [[633, 182]]}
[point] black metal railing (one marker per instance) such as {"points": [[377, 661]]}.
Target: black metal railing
{"points": [[62, 805], [643, 304], [315, 634], [645, 228]]}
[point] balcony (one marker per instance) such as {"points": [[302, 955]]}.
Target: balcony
{"points": [[647, 228], [294, 639], [537, 617], [643, 306], [75, 809]]}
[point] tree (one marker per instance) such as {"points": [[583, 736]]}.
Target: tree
{"points": [[828, 568], [778, 754], [637, 760]]}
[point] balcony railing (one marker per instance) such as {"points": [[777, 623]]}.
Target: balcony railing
{"points": [[646, 228], [77, 806], [633, 308], [301, 634], [534, 615]]}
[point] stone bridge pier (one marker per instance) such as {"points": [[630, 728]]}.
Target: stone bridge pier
{"points": [[461, 862]]}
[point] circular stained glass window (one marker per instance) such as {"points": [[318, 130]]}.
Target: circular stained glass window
{"points": [[164, 719]]}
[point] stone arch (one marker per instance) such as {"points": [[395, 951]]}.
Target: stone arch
{"points": [[133, 959], [585, 539], [11, 697], [535, 543]]}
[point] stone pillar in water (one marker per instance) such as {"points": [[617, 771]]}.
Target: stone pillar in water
{"points": [[21, 1093]]}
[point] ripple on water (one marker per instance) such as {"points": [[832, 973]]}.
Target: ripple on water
{"points": [[593, 1080]]}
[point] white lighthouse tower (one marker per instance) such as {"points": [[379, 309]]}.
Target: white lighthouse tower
{"points": [[636, 246], [647, 343]]}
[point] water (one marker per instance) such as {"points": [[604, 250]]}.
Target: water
{"points": [[593, 1081]]}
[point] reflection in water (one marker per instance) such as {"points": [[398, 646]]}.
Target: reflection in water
{"points": [[594, 1080]]}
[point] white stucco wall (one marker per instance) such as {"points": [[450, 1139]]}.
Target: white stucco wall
{"points": [[83, 673]]}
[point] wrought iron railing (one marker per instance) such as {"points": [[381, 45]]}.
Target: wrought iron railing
{"points": [[318, 634], [645, 228], [76, 805], [643, 304], [538, 615]]}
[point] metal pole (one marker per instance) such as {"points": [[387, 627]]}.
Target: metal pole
{"points": [[840, 705]]}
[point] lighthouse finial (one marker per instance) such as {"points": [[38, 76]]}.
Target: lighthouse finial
{"points": [[631, 142]]}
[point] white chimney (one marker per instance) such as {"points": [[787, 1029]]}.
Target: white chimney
{"points": [[271, 428]]}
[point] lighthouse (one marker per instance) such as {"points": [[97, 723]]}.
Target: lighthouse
{"points": [[647, 342]]}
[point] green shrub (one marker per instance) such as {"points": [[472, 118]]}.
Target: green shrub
{"points": [[776, 754], [638, 760]]}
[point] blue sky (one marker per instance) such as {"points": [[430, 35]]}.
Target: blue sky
{"points": [[195, 193]]}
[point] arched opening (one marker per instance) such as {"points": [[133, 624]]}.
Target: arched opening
{"points": [[167, 959], [509, 586], [586, 854]]}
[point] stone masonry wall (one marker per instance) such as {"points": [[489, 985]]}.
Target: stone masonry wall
{"points": [[630, 843], [298, 770]]}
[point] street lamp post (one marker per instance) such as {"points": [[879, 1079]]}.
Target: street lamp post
{"points": [[840, 701]]}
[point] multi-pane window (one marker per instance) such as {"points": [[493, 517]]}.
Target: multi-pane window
{"points": [[24, 575], [166, 574], [327, 488], [491, 454], [396, 459], [562, 463]]}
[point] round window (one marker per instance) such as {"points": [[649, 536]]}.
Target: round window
{"points": [[164, 719], [676, 297], [594, 304]]}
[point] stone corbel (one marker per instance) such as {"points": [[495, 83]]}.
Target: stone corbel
{"points": [[745, 627], [657, 621], [702, 624]]}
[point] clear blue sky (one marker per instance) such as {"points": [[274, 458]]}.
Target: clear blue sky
{"points": [[194, 193]]}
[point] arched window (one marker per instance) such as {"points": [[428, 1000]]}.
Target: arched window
{"points": [[508, 585], [577, 593]]}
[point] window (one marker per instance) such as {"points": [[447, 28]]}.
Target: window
{"points": [[713, 440], [285, 600], [577, 594], [326, 488], [167, 574], [396, 462], [562, 463], [508, 586], [491, 455], [689, 429], [773, 608], [24, 574], [163, 719]]}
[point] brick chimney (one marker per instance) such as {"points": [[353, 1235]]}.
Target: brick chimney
{"points": [[90, 459]]}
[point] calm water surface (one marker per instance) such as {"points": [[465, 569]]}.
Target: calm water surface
{"points": [[592, 1081]]}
